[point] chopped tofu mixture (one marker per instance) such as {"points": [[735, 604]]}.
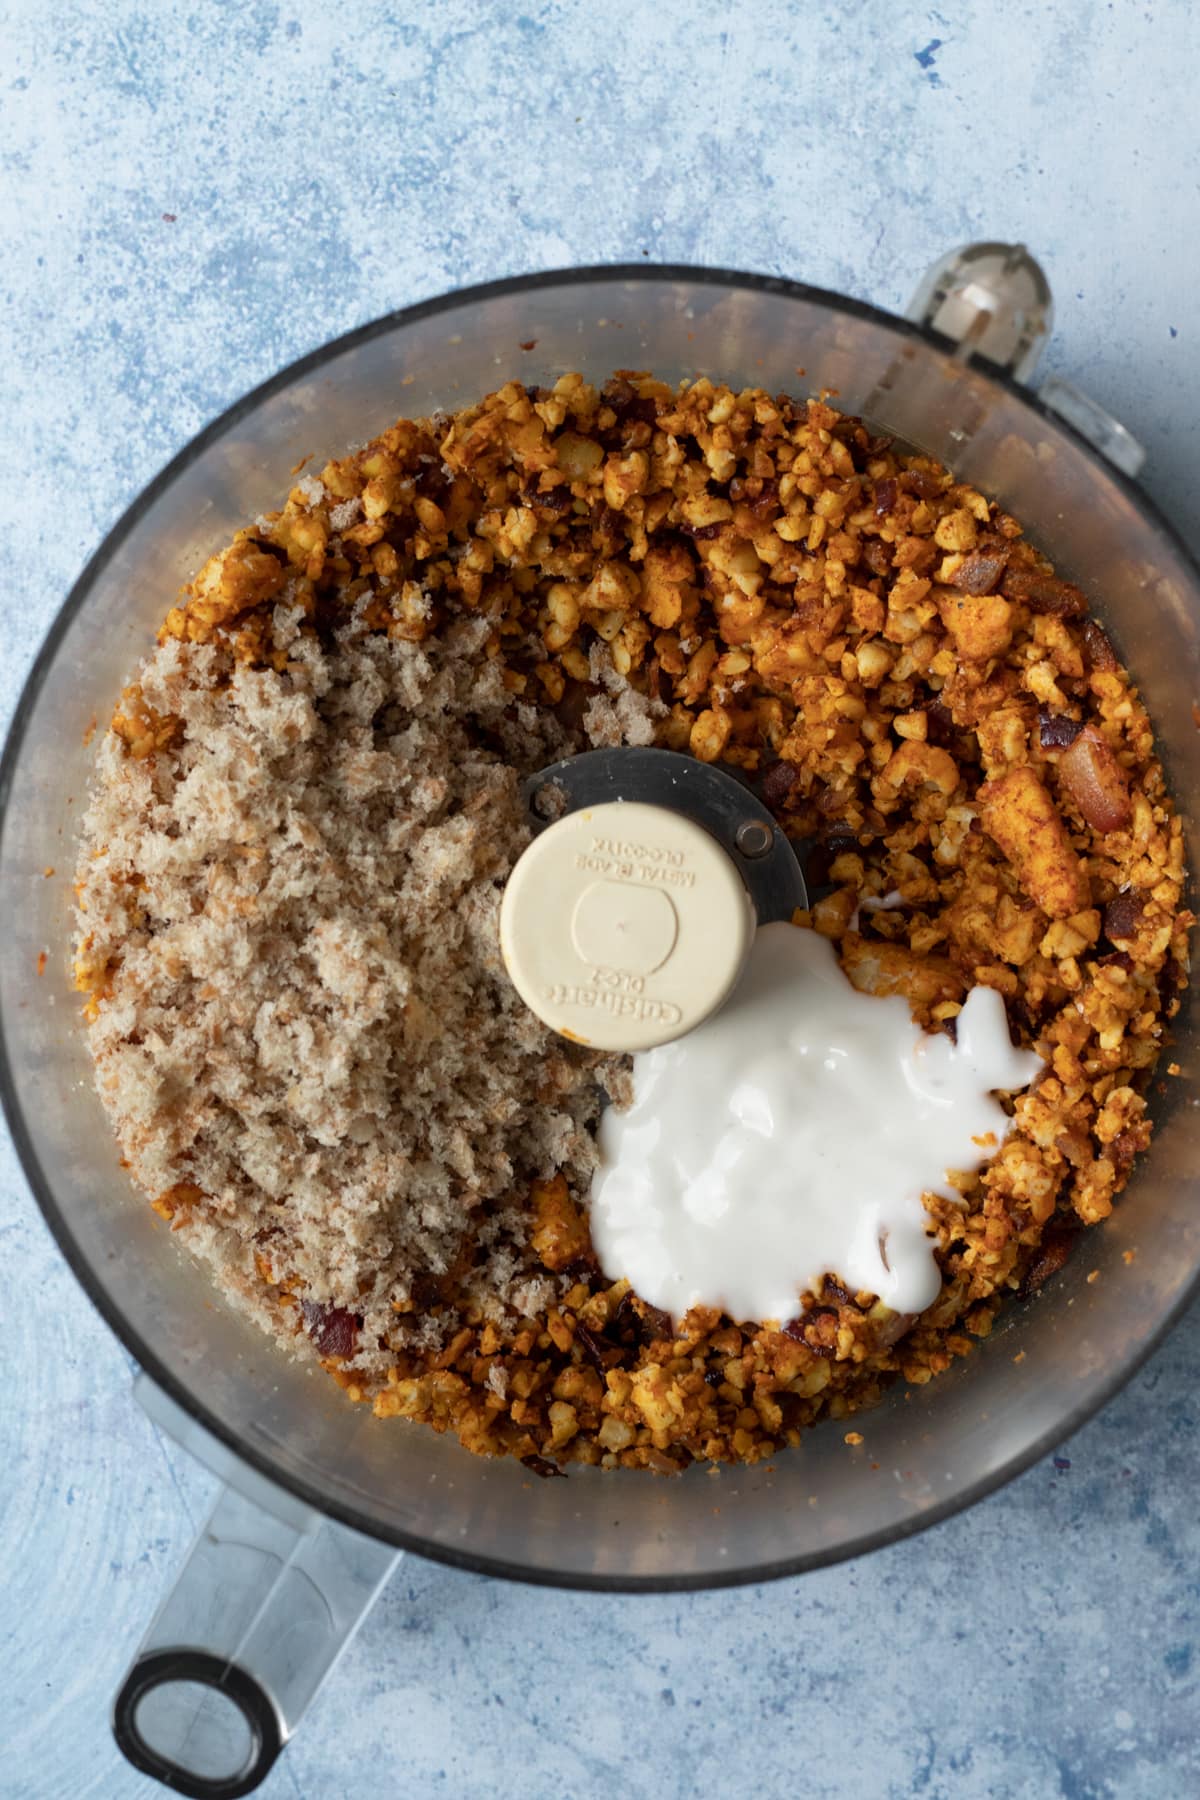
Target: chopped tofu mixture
{"points": [[307, 805]]}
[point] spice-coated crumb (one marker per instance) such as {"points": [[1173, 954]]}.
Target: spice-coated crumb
{"points": [[306, 806]]}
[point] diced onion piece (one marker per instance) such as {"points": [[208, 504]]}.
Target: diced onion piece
{"points": [[1096, 782]]}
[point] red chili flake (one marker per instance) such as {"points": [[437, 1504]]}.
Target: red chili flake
{"points": [[1098, 652], [777, 784], [876, 555], [556, 499], [979, 572], [1044, 593], [1121, 915], [921, 483], [41, 962], [590, 1344], [529, 344], [332, 1329], [1056, 1247], [939, 724], [539, 1465], [1057, 730], [887, 492]]}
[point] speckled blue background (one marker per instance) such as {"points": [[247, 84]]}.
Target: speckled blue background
{"points": [[191, 196]]}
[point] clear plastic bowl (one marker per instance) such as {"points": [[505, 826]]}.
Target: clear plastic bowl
{"points": [[927, 1452]]}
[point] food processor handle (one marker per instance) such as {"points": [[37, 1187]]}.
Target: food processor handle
{"points": [[993, 300], [271, 1593]]}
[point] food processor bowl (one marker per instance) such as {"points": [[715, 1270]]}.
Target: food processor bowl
{"points": [[322, 1495]]}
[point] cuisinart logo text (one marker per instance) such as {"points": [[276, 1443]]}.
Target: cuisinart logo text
{"points": [[620, 1005]]}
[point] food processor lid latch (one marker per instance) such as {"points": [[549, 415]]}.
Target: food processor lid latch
{"points": [[993, 300]]}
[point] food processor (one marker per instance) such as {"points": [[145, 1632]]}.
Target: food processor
{"points": [[320, 1498]]}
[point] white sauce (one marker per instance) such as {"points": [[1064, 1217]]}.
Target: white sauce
{"points": [[792, 1135]]}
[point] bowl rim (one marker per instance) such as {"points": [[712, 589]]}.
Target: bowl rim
{"points": [[144, 1353]]}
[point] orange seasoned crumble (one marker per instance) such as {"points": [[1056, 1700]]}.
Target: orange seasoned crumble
{"points": [[924, 704]]}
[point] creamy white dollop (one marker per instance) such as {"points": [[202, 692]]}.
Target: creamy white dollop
{"points": [[792, 1135]]}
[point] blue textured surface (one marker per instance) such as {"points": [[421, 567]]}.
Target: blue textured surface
{"points": [[191, 196]]}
